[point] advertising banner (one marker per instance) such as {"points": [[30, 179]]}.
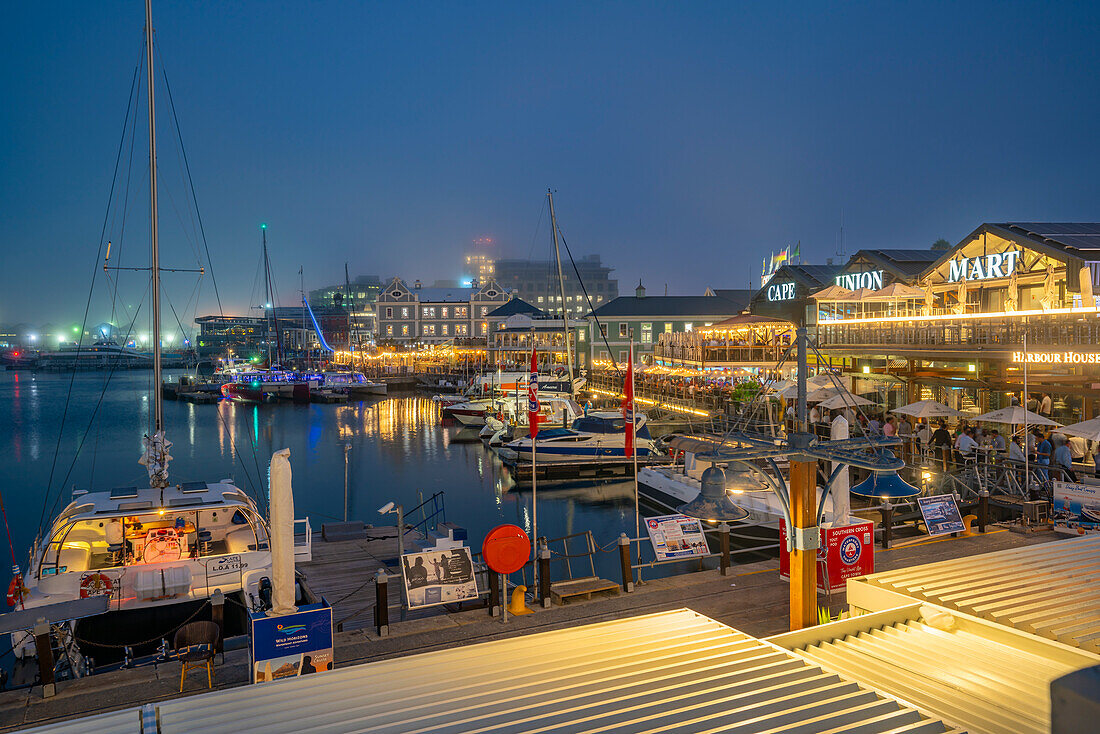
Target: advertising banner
{"points": [[438, 577], [846, 551], [1076, 507], [292, 645], [941, 514], [676, 536]]}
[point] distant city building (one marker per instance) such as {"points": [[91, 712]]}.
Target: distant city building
{"points": [[536, 282], [417, 314], [257, 335], [610, 326], [479, 264]]}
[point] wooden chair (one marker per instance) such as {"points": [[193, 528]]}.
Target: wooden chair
{"points": [[196, 644]]}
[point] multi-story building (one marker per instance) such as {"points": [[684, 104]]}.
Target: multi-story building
{"points": [[536, 281], [479, 264], [418, 314], [647, 317], [358, 298], [513, 325]]}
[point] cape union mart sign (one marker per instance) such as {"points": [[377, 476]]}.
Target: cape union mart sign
{"points": [[1056, 357], [984, 267], [781, 292], [854, 281]]}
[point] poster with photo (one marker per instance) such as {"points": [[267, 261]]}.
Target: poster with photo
{"points": [[438, 577], [676, 536], [291, 645], [941, 514], [1076, 507]]}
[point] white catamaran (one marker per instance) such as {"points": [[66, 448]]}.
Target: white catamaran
{"points": [[158, 552]]}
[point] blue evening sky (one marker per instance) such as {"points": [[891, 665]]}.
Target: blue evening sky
{"points": [[685, 139]]}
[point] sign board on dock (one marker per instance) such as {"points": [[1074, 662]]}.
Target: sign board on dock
{"points": [[676, 536], [292, 645], [436, 577], [846, 551], [1076, 507], [941, 514]]}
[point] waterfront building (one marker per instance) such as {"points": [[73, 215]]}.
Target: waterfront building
{"points": [[512, 325], [513, 307], [536, 281], [650, 318], [962, 340], [408, 314]]}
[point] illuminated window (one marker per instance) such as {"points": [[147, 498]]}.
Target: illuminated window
{"points": [[540, 299], [484, 310], [404, 312], [687, 326], [484, 328], [582, 335], [389, 330], [444, 311], [624, 329], [460, 330], [405, 330], [647, 333], [429, 329], [603, 333], [668, 327], [460, 312], [445, 330], [429, 312]]}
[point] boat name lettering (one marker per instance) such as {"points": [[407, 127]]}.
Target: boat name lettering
{"points": [[983, 267], [1056, 358], [226, 563]]}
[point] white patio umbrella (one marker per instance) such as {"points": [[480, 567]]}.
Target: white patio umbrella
{"points": [[1089, 429], [844, 400], [1016, 415], [927, 409]]}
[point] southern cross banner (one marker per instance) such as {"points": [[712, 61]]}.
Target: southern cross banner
{"points": [[533, 396], [628, 404]]}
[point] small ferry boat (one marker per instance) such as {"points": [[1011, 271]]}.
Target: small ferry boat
{"points": [[354, 384], [597, 435]]}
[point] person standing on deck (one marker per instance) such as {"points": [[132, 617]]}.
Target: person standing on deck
{"points": [[1043, 452], [1063, 460]]}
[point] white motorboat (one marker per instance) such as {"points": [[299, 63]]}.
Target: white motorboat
{"points": [[352, 383], [595, 436]]}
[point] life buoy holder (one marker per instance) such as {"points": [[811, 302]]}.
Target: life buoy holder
{"points": [[96, 584], [16, 590]]}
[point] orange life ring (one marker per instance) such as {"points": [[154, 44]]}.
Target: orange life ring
{"points": [[96, 584], [16, 590]]}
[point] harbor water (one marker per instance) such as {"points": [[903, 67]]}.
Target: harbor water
{"points": [[399, 451]]}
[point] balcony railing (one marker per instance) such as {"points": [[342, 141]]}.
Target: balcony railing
{"points": [[1064, 330], [721, 354]]}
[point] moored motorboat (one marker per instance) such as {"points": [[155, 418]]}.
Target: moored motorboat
{"points": [[595, 436]]}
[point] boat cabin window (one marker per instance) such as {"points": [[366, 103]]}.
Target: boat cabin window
{"points": [[148, 538]]}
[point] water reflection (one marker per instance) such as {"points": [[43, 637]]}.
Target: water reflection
{"points": [[398, 448]]}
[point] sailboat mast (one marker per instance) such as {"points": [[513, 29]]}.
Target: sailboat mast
{"points": [[158, 400], [269, 307], [561, 286]]}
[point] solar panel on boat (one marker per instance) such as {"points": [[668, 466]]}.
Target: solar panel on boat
{"points": [[122, 492], [145, 505], [185, 501], [190, 487]]}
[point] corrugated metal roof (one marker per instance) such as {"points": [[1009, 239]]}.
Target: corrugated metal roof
{"points": [[673, 671], [668, 306], [1049, 589], [126, 721], [970, 672]]}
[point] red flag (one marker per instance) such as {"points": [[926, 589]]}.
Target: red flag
{"points": [[628, 404], [533, 396]]}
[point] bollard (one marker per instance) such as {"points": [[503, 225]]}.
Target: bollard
{"points": [[382, 603], [724, 531], [494, 593], [983, 510], [887, 511], [217, 616], [544, 574], [45, 658], [624, 562]]}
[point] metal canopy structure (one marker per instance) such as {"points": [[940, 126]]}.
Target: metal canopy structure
{"points": [[672, 671], [1048, 590]]}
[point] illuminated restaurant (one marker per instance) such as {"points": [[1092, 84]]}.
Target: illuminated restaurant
{"points": [[962, 330]]}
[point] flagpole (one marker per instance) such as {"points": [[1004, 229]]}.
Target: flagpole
{"points": [[634, 454], [533, 431]]}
